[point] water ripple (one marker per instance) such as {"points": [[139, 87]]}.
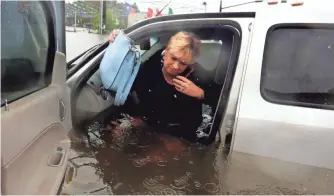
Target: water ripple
{"points": [[197, 184], [162, 163], [178, 184], [212, 188], [150, 182], [168, 191], [141, 162]]}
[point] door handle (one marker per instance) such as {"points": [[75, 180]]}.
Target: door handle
{"points": [[57, 157]]}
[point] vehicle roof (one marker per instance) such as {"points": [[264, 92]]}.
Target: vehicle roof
{"points": [[249, 6]]}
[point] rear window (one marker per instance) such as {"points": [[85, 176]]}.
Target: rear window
{"points": [[298, 67]]}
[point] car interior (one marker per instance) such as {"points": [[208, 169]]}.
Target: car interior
{"points": [[94, 102]]}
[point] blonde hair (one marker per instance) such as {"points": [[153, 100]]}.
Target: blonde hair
{"points": [[186, 43]]}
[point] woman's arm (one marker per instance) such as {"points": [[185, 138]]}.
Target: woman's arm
{"points": [[208, 92], [187, 87]]}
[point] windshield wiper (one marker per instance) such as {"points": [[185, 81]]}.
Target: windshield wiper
{"points": [[83, 55]]}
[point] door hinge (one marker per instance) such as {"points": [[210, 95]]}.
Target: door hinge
{"points": [[229, 126], [250, 27], [6, 105], [61, 110]]}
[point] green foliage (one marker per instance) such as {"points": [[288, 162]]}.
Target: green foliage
{"points": [[111, 20], [116, 16], [96, 22]]}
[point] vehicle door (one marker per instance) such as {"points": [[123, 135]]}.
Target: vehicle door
{"points": [[35, 100], [286, 108], [89, 101]]}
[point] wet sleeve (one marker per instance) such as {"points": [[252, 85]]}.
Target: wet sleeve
{"points": [[211, 89]]}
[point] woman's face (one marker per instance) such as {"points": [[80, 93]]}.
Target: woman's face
{"points": [[175, 62]]}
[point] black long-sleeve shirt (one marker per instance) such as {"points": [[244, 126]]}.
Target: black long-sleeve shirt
{"points": [[163, 106]]}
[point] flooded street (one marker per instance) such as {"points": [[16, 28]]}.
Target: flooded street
{"points": [[80, 41], [140, 161]]}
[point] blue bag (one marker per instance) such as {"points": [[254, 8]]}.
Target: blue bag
{"points": [[119, 67]]}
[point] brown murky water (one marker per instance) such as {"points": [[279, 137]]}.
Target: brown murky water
{"points": [[139, 161]]}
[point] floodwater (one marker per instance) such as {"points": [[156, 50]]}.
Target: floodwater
{"points": [[80, 41], [128, 160]]}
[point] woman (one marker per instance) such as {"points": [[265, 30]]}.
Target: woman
{"points": [[170, 96]]}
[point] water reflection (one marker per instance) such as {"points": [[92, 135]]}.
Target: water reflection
{"points": [[138, 161]]}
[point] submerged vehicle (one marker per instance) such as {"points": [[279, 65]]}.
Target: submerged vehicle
{"points": [[274, 67]]}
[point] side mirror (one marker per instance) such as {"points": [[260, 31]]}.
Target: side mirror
{"points": [[145, 44]]}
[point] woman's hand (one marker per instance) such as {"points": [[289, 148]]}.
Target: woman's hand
{"points": [[113, 35], [137, 122], [115, 128], [187, 87]]}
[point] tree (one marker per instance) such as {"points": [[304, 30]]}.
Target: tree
{"points": [[116, 14], [96, 22], [111, 20], [134, 6]]}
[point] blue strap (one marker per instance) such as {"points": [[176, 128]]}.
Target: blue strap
{"points": [[126, 78], [131, 81]]}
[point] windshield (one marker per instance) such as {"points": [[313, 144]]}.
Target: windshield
{"points": [[86, 27]]}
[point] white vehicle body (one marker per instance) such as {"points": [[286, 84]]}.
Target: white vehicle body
{"points": [[292, 133]]}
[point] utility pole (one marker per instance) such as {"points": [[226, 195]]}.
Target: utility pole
{"points": [[101, 14], [75, 21], [103, 11], [220, 6], [104, 15]]}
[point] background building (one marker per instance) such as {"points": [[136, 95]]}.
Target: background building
{"points": [[136, 17]]}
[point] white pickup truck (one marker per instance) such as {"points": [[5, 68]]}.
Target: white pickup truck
{"points": [[275, 65]]}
